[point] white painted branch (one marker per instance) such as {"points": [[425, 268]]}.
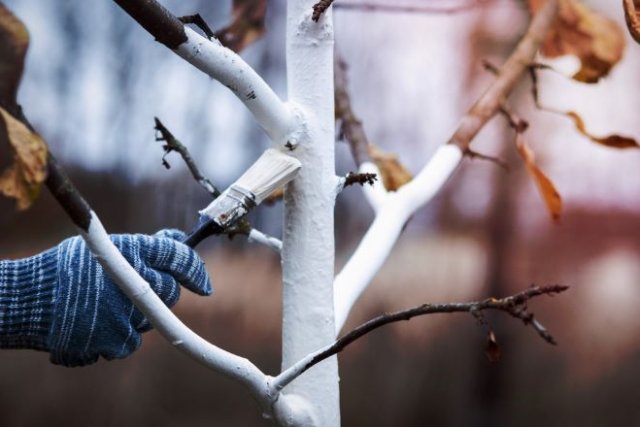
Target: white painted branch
{"points": [[258, 236], [169, 326], [226, 66], [392, 213]]}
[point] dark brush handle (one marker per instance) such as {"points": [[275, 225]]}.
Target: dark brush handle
{"points": [[203, 230]]}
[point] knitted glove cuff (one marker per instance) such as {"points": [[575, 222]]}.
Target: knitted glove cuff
{"points": [[27, 297]]}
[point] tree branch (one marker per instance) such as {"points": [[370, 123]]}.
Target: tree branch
{"points": [[320, 8], [243, 226], [173, 144], [199, 22], [350, 125], [222, 64], [515, 306], [147, 301], [67, 196], [397, 207], [157, 20], [396, 8], [472, 154], [353, 178], [510, 73]]}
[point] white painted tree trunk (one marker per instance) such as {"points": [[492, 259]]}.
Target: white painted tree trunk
{"points": [[308, 243]]}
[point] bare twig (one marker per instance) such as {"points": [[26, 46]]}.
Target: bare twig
{"points": [[243, 226], [360, 178], [396, 8], [516, 122], [515, 305], [173, 144], [472, 154], [517, 64], [320, 8], [199, 22], [351, 126]]}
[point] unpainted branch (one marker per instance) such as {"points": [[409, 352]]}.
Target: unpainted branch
{"points": [[243, 226], [157, 20], [320, 8], [350, 125], [510, 73], [360, 178], [398, 207], [464, 6], [514, 305], [472, 154], [199, 22], [171, 143]]}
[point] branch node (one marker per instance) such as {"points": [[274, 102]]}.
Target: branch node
{"points": [[493, 159], [360, 178], [199, 22], [516, 122], [320, 8]]}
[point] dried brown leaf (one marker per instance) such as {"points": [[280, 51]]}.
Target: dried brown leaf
{"points": [[14, 40], [492, 350], [277, 195], [632, 16], [22, 180], [394, 174], [614, 141], [247, 25], [596, 40], [547, 190]]}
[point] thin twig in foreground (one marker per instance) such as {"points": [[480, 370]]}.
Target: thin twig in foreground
{"points": [[514, 305], [172, 144]]}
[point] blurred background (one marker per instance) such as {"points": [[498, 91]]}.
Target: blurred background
{"points": [[94, 81]]}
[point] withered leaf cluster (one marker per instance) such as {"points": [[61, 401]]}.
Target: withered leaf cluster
{"points": [[22, 179], [595, 39]]}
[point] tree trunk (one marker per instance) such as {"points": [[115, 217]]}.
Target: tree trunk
{"points": [[308, 243]]}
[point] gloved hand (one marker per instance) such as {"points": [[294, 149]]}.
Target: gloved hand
{"points": [[61, 301]]}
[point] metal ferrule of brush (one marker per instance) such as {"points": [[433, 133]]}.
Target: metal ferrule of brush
{"points": [[234, 203]]}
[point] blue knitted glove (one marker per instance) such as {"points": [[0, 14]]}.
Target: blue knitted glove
{"points": [[61, 301]]}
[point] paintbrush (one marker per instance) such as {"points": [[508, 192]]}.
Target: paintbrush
{"points": [[272, 170]]}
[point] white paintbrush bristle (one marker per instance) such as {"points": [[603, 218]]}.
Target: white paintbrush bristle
{"points": [[272, 170]]}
